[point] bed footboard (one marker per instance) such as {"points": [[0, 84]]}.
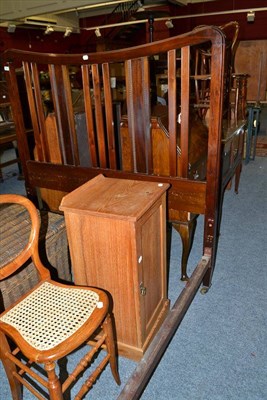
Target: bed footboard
{"points": [[78, 129]]}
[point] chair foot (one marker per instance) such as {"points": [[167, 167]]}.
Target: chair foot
{"points": [[10, 368], [107, 328]]}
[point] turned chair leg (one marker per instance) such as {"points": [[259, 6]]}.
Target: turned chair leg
{"points": [[186, 231], [107, 328], [54, 386], [10, 368]]}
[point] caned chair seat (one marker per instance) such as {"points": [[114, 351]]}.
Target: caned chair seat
{"points": [[49, 322], [51, 314]]}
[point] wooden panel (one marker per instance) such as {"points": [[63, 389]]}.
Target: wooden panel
{"points": [[183, 194], [153, 278], [105, 260], [251, 58]]}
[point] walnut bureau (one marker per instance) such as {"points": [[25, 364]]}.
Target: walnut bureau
{"points": [[117, 236]]}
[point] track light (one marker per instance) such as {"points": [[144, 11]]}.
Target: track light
{"points": [[250, 16], [97, 32], [169, 23], [68, 31], [49, 29], [11, 28]]}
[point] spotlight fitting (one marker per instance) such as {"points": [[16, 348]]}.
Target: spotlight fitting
{"points": [[49, 29], [251, 16], [11, 28], [68, 31], [169, 23], [97, 32]]}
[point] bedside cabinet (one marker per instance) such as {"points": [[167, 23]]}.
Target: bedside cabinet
{"points": [[117, 236]]}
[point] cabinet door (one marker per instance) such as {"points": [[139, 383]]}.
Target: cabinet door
{"points": [[152, 269]]}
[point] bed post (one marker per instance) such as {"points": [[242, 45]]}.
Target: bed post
{"points": [[213, 186]]}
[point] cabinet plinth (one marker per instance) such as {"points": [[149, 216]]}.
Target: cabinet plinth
{"points": [[117, 236]]}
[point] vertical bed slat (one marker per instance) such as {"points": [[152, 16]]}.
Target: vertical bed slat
{"points": [[89, 114], [70, 113], [33, 112], [131, 155], [138, 104], [40, 112], [184, 141], [147, 114], [172, 112], [63, 129], [101, 142], [109, 116]]}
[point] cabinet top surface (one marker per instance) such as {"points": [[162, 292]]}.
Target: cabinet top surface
{"points": [[111, 197]]}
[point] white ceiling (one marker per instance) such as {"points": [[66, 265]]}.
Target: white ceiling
{"points": [[16, 9]]}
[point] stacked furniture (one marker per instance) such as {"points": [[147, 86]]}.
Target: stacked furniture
{"points": [[80, 135]]}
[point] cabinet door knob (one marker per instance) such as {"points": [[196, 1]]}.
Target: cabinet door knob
{"points": [[142, 289]]}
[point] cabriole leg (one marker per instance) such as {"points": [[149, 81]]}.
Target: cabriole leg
{"points": [[186, 231]]}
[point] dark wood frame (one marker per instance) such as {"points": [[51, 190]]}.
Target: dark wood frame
{"points": [[185, 194]]}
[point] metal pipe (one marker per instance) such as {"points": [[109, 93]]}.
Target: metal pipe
{"points": [[244, 10], [142, 21]]}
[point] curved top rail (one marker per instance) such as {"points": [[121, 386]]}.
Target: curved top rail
{"points": [[12, 266], [198, 36], [233, 25], [31, 248]]}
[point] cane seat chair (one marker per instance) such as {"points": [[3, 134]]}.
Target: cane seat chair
{"points": [[48, 323]]}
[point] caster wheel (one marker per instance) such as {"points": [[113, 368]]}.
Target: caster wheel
{"points": [[204, 290]]}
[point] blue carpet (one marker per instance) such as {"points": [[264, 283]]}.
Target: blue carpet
{"points": [[220, 349]]}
